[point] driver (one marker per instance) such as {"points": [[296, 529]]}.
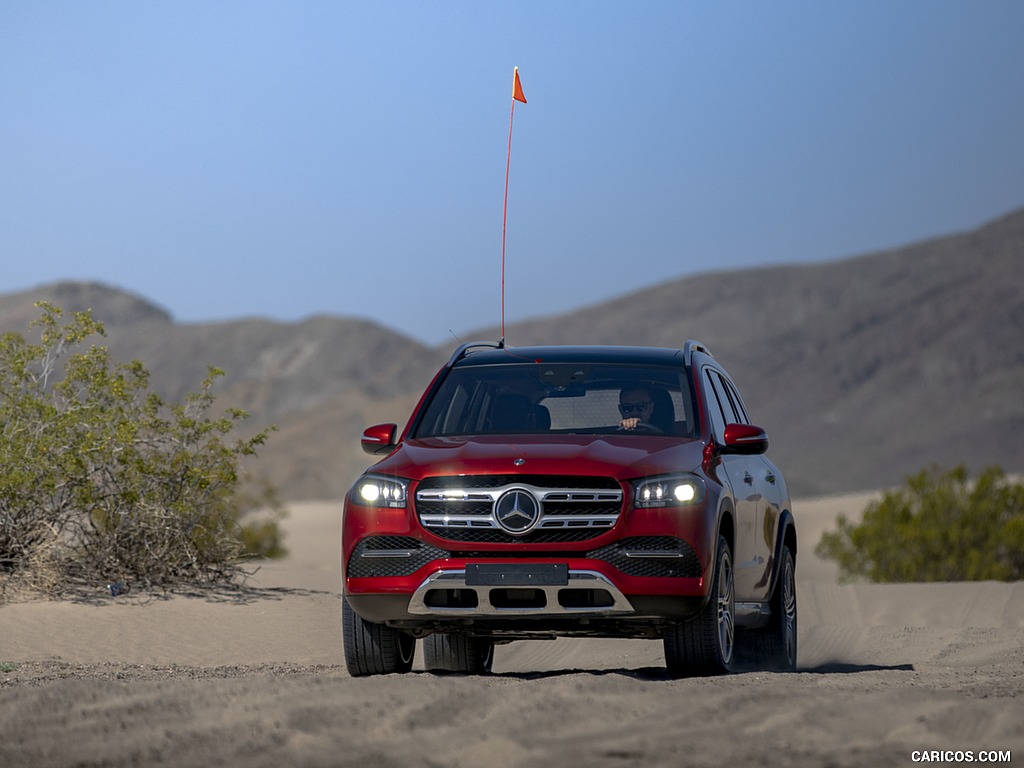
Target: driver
{"points": [[638, 401]]}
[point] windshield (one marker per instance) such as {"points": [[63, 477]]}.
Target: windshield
{"points": [[544, 398]]}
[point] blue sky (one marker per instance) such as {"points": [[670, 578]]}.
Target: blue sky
{"points": [[285, 159]]}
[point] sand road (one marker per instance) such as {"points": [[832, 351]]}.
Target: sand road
{"points": [[887, 672]]}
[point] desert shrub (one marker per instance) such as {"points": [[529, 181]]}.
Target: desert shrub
{"points": [[101, 481], [940, 527]]}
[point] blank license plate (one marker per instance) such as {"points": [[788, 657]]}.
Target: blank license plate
{"points": [[517, 575]]}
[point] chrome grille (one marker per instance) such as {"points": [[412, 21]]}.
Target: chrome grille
{"points": [[571, 508]]}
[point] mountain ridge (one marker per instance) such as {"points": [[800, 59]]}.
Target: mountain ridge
{"points": [[863, 369]]}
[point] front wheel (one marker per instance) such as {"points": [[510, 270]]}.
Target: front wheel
{"points": [[704, 645], [374, 649], [457, 653]]}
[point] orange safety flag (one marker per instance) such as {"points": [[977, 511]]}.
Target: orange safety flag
{"points": [[517, 87]]}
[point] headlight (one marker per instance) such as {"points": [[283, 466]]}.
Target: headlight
{"points": [[668, 491], [378, 491]]}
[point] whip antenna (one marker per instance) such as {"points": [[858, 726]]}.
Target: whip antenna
{"points": [[517, 95]]}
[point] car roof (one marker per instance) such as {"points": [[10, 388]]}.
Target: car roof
{"points": [[471, 354]]}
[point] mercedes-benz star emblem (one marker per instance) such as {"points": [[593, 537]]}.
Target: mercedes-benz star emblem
{"points": [[517, 511]]}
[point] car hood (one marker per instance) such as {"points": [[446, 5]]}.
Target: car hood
{"points": [[622, 457]]}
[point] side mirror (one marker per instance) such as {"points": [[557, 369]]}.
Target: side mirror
{"points": [[745, 439], [379, 438]]}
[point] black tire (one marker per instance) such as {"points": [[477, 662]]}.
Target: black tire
{"points": [[374, 649], [458, 653], [705, 644], [774, 647]]}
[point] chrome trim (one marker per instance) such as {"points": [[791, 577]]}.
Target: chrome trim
{"points": [[369, 553], [518, 504], [655, 554], [456, 579], [543, 496]]}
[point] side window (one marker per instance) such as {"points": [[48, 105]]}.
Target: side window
{"points": [[715, 400], [737, 404], [725, 397]]}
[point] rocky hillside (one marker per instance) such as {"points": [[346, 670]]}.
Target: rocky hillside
{"points": [[317, 380], [863, 370]]}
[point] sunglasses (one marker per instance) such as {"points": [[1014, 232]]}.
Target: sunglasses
{"points": [[638, 407]]}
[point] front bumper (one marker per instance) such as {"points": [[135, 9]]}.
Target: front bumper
{"points": [[437, 595], [449, 593], [648, 570]]}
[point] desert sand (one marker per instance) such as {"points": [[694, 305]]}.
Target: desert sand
{"points": [[886, 672]]}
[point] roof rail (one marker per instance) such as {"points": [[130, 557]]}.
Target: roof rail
{"points": [[692, 346], [462, 349]]}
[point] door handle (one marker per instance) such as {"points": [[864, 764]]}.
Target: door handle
{"points": [[770, 477], [748, 478]]}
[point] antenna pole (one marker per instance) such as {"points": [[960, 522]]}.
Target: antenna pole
{"points": [[504, 217], [517, 95]]}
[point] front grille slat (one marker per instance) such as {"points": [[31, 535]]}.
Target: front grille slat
{"points": [[461, 508]]}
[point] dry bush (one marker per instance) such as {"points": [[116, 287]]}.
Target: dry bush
{"points": [[941, 526], [101, 482]]}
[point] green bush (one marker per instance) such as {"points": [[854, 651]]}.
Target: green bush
{"points": [[101, 482], [940, 527]]}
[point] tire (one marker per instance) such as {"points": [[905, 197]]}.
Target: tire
{"points": [[705, 644], [374, 649], [458, 653], [774, 647]]}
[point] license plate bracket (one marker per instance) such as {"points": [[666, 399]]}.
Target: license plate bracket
{"points": [[517, 575]]}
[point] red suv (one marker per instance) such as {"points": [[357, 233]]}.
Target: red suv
{"points": [[543, 492]]}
